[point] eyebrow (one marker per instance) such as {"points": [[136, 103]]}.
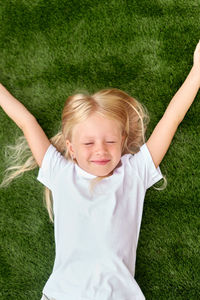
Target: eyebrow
{"points": [[92, 137]]}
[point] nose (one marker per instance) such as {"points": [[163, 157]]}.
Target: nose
{"points": [[100, 148]]}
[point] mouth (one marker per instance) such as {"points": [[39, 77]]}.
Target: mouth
{"points": [[100, 162]]}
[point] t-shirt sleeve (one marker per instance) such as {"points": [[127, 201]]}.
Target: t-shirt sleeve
{"points": [[146, 170], [52, 163]]}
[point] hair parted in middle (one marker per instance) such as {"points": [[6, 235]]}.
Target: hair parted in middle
{"points": [[111, 103]]}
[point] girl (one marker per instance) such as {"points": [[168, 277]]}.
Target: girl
{"points": [[98, 185]]}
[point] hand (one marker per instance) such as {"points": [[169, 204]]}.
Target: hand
{"points": [[196, 57]]}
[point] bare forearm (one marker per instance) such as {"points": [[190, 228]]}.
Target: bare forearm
{"points": [[184, 97], [13, 108]]}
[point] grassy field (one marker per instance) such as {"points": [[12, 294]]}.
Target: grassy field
{"points": [[50, 49]]}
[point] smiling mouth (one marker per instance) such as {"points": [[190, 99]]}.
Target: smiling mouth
{"points": [[100, 162]]}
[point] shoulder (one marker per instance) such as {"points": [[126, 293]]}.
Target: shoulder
{"points": [[142, 154], [53, 164], [52, 155], [142, 165]]}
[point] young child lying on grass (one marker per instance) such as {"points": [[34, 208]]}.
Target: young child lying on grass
{"points": [[98, 168]]}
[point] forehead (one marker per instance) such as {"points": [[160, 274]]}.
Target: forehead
{"points": [[97, 125]]}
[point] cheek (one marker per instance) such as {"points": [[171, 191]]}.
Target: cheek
{"points": [[118, 148], [116, 153], [83, 153]]}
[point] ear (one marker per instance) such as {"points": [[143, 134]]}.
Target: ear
{"points": [[70, 149]]}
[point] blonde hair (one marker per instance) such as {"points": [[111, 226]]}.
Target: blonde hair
{"points": [[111, 103]]}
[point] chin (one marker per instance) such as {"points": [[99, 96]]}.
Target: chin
{"points": [[104, 174]]}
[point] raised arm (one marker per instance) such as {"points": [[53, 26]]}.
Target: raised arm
{"points": [[36, 138], [160, 139]]}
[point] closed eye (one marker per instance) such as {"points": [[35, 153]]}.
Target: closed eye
{"points": [[91, 143]]}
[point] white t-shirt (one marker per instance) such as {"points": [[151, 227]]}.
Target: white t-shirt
{"points": [[96, 232]]}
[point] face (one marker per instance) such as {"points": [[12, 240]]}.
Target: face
{"points": [[96, 144]]}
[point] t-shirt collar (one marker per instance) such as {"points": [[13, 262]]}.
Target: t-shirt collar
{"points": [[83, 173]]}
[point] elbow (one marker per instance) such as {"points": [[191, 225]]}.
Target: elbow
{"points": [[26, 121], [173, 117]]}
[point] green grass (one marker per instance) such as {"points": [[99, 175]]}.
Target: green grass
{"points": [[50, 49]]}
